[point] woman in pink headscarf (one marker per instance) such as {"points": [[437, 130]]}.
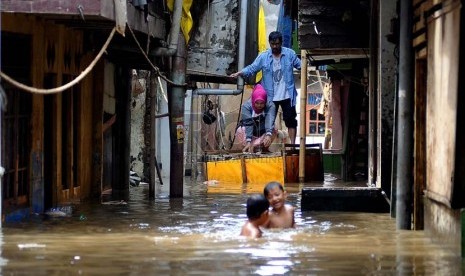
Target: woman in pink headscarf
{"points": [[256, 131]]}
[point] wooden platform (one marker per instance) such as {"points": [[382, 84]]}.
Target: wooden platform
{"points": [[265, 167]]}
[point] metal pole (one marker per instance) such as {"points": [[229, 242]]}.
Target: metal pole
{"points": [[303, 123], [373, 96], [1, 157], [176, 117], [1, 124], [2, 170], [405, 122]]}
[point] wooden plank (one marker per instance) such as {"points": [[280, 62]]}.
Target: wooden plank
{"points": [[37, 119], [243, 169], [419, 26], [10, 23], [68, 159], [263, 169], [97, 133], [421, 53], [443, 53], [57, 146], [52, 49], [84, 133], [421, 39]]}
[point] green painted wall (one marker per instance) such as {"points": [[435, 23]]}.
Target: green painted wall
{"points": [[332, 163]]}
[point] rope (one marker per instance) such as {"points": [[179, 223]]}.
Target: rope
{"points": [[156, 69], [66, 86], [161, 88], [238, 120]]}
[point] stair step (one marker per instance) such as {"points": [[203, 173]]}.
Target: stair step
{"points": [[347, 199]]}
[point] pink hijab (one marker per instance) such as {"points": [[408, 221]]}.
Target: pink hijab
{"points": [[258, 93]]}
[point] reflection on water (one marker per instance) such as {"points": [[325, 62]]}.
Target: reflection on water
{"points": [[199, 234]]}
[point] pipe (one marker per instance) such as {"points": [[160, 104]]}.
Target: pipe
{"points": [[373, 96], [210, 91], [303, 114], [2, 170], [176, 118], [240, 62], [405, 120], [174, 33]]}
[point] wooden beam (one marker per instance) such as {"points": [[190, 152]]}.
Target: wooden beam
{"points": [[97, 131]]}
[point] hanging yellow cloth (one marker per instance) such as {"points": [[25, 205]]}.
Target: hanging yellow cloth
{"points": [[186, 17], [261, 36]]}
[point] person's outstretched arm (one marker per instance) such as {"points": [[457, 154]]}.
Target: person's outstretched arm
{"points": [[296, 62], [270, 117], [251, 69]]}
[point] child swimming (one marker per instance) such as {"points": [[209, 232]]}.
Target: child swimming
{"points": [[257, 214], [282, 214]]}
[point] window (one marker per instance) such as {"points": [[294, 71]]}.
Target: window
{"points": [[17, 133], [316, 121], [16, 121]]}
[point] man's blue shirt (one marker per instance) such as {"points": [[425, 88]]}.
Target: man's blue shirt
{"points": [[264, 62]]}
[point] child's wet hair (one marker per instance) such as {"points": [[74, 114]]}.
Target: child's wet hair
{"points": [[256, 205], [270, 186]]}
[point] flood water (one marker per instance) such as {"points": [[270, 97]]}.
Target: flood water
{"points": [[199, 235]]}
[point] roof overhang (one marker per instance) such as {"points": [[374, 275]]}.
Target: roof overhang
{"points": [[328, 56]]}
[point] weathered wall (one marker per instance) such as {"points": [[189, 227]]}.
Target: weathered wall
{"points": [[443, 225], [213, 46], [441, 113], [137, 124], [387, 91], [443, 31]]}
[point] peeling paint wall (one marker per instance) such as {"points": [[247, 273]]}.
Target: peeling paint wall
{"points": [[137, 124], [213, 46], [387, 90]]}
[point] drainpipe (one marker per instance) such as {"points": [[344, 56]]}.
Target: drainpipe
{"points": [[1, 111], [405, 120], [176, 118], [373, 95], [174, 33], [303, 114], [2, 170], [240, 62], [175, 106]]}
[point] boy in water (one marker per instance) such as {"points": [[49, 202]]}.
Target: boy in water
{"points": [[257, 214], [282, 214]]}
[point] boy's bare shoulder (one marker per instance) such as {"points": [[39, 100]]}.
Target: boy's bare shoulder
{"points": [[249, 230], [289, 208]]}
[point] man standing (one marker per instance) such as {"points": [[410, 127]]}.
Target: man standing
{"points": [[277, 65]]}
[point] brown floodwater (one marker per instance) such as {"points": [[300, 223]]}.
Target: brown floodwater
{"points": [[199, 234]]}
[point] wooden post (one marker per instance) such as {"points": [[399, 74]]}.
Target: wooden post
{"points": [[153, 110], [243, 169], [303, 123]]}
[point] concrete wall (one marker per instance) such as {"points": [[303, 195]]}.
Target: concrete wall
{"points": [[138, 109]]}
